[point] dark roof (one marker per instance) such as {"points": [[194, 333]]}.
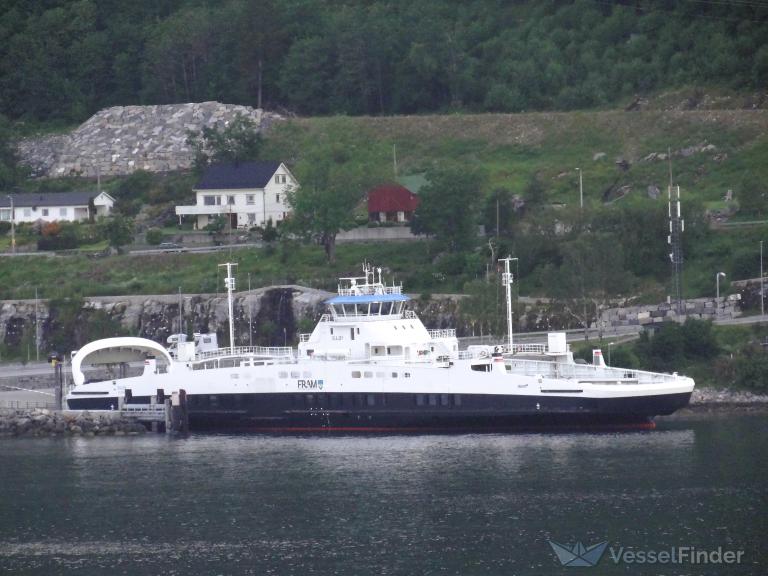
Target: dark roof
{"points": [[47, 199], [392, 198], [236, 176]]}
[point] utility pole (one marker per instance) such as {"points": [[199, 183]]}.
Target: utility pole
{"points": [[181, 313], [250, 313], [394, 158], [506, 280], [581, 189], [13, 226], [37, 329], [674, 239], [229, 284], [762, 296]]}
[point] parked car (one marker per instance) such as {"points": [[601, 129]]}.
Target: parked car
{"points": [[171, 247]]}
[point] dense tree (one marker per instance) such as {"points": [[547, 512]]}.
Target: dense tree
{"points": [[335, 172], [118, 230], [447, 210], [238, 141], [63, 60], [10, 172]]}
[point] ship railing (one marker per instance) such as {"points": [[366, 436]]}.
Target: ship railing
{"points": [[528, 348], [304, 337], [410, 315], [325, 318], [268, 351], [442, 333], [369, 290], [600, 374], [144, 412]]}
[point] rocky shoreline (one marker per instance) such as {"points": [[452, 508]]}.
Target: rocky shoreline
{"points": [[52, 423]]}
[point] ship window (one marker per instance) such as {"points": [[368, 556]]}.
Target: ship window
{"points": [[213, 400], [375, 308], [457, 399], [352, 333], [433, 399], [355, 374], [419, 399], [444, 400], [370, 399], [358, 330], [295, 374], [394, 374], [282, 374], [310, 399], [368, 374], [407, 375]]}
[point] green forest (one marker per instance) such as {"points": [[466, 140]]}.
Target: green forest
{"points": [[61, 61]]}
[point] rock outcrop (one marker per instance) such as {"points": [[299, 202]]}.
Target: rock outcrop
{"points": [[42, 422], [120, 140]]}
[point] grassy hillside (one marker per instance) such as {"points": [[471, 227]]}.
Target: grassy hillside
{"points": [[713, 151]]}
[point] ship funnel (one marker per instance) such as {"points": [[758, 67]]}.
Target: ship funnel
{"points": [[597, 357]]}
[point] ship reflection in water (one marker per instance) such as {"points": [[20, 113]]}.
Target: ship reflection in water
{"points": [[454, 504]]}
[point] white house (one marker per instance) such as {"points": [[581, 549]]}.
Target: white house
{"points": [[248, 193], [52, 206]]}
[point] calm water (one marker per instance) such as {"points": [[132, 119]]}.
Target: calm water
{"points": [[469, 504]]}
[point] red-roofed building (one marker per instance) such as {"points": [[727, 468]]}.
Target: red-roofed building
{"points": [[391, 203]]}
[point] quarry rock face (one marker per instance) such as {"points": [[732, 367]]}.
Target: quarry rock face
{"points": [[120, 140]]}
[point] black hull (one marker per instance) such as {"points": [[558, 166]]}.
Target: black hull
{"points": [[280, 412]]}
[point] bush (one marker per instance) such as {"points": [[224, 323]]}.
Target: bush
{"points": [[5, 227], [154, 236]]}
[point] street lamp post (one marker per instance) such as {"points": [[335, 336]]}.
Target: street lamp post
{"points": [[13, 226], [610, 344], [717, 282], [762, 296], [581, 189]]}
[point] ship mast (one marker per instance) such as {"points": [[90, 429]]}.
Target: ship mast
{"points": [[229, 284], [506, 280]]}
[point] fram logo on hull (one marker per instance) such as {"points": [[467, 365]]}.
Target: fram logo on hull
{"points": [[307, 384]]}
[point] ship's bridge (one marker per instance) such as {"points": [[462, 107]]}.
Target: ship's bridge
{"points": [[365, 297], [366, 306]]}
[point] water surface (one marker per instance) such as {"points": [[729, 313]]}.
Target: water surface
{"points": [[355, 505]]}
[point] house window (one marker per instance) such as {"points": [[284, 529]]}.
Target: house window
{"points": [[211, 200], [5, 214], [251, 218], [277, 198], [250, 199], [280, 179], [45, 211], [230, 200]]}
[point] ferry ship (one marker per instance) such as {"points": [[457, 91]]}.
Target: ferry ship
{"points": [[371, 365]]}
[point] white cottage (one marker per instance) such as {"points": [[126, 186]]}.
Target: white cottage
{"points": [[248, 193], [55, 206]]}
